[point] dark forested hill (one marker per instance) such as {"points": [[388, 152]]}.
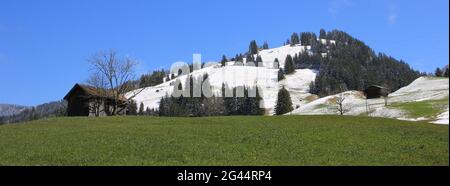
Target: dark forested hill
{"points": [[351, 65], [56, 108]]}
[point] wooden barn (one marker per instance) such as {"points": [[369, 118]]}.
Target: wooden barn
{"points": [[375, 91], [84, 100]]}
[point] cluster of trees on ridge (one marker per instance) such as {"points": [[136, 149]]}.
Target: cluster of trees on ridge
{"points": [[51, 109]]}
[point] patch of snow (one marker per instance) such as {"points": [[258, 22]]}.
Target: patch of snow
{"points": [[442, 118]]}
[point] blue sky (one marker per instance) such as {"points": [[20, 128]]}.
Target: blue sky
{"points": [[44, 44]]}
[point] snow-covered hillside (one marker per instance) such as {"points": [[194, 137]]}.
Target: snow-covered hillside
{"points": [[265, 77], [422, 89]]}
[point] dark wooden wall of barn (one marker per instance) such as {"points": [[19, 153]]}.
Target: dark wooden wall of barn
{"points": [[77, 105]]}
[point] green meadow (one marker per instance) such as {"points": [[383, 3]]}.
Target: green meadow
{"points": [[234, 140]]}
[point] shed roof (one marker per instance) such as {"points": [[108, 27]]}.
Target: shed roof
{"points": [[376, 86], [94, 92]]}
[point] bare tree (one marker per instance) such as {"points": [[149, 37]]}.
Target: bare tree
{"points": [[340, 106], [98, 83], [111, 76]]}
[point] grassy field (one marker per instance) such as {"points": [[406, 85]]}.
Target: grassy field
{"points": [[287, 140], [428, 109]]}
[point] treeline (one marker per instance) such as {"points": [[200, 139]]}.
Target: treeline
{"points": [[235, 101], [52, 109], [441, 72], [354, 65], [151, 79]]}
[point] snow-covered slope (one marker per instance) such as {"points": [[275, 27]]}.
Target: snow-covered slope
{"points": [[265, 77], [422, 89], [269, 55]]}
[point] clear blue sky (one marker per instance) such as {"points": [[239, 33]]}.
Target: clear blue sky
{"points": [[44, 44]]}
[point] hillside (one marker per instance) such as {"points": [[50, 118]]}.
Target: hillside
{"points": [[266, 78], [51, 109], [233, 140], [425, 99], [322, 66]]}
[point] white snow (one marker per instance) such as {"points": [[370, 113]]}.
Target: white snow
{"points": [[269, 55], [422, 89], [442, 118]]}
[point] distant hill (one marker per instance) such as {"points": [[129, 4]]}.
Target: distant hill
{"points": [[9, 109], [51, 109]]}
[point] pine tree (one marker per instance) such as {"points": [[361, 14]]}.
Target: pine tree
{"points": [[284, 102], [224, 60], [280, 75], [294, 39], [250, 58], [323, 34], [289, 65], [276, 63], [438, 72], [253, 48], [446, 72], [141, 109], [258, 60], [132, 108], [265, 45]]}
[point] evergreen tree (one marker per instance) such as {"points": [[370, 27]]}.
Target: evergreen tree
{"points": [[141, 109], [294, 39], [132, 108], [276, 63], [289, 65], [253, 48], [280, 75], [323, 34], [446, 72], [224, 60], [265, 46], [438, 72], [284, 102], [250, 58], [258, 60]]}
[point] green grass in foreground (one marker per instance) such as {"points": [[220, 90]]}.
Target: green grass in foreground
{"points": [[428, 109], [286, 140]]}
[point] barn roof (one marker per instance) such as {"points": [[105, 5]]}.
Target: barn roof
{"points": [[94, 92], [376, 86]]}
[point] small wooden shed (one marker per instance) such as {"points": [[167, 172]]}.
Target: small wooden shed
{"points": [[376, 91], [84, 100]]}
